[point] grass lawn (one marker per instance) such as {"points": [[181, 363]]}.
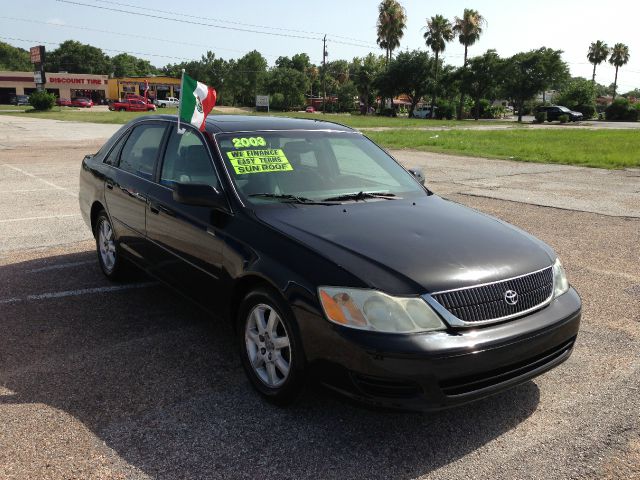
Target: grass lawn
{"points": [[588, 148], [355, 121]]}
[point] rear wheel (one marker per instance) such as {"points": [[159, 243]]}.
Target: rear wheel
{"points": [[107, 248], [269, 346], [123, 109], [162, 105]]}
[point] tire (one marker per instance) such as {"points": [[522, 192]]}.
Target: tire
{"points": [[162, 105], [271, 354], [123, 110], [109, 255]]}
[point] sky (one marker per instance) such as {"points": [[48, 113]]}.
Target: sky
{"points": [[298, 26]]}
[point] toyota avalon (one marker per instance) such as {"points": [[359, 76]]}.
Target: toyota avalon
{"points": [[330, 260]]}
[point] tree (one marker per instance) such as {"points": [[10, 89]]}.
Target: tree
{"points": [[468, 28], [75, 57], [125, 65], [392, 20], [619, 57], [482, 77], [248, 74], [409, 73], [556, 70], [14, 58], [598, 53], [525, 76], [439, 32], [366, 70], [289, 82]]}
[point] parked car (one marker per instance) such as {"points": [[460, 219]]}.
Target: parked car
{"points": [[82, 102], [19, 100], [554, 112], [310, 109], [329, 259], [133, 96], [130, 105], [168, 102], [64, 102], [423, 111]]}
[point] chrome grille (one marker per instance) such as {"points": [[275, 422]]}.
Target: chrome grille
{"points": [[485, 303]]}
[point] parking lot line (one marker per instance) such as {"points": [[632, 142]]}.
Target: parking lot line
{"points": [[58, 187], [60, 266], [75, 293], [24, 219]]}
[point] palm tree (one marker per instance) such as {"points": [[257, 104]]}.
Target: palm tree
{"points": [[619, 57], [439, 32], [392, 20], [598, 53], [468, 28]]}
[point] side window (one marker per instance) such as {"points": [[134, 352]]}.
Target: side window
{"points": [[187, 161], [141, 150], [112, 158]]}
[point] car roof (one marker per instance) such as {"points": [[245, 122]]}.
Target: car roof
{"points": [[251, 123]]}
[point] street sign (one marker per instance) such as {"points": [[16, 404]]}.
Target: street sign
{"points": [[262, 101], [37, 54], [38, 77]]}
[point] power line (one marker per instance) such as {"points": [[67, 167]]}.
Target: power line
{"points": [[133, 35], [267, 27], [193, 22]]}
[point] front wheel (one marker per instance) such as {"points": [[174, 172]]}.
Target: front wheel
{"points": [[269, 347], [162, 105]]}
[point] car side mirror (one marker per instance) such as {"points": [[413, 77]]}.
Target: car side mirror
{"points": [[199, 195], [417, 173]]}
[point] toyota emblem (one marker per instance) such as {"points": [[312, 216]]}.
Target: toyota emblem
{"points": [[511, 297]]}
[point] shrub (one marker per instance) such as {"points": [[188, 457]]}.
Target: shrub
{"points": [[588, 111], [621, 111], [42, 100], [445, 110], [563, 118], [541, 117]]}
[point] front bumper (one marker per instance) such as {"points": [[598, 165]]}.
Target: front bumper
{"points": [[436, 370]]}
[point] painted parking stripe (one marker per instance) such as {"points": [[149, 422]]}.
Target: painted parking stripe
{"points": [[60, 266], [24, 219], [75, 293], [57, 187]]}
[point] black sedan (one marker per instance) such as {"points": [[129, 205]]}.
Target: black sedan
{"points": [[554, 112], [329, 259]]}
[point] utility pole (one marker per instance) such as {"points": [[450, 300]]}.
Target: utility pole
{"points": [[324, 74]]}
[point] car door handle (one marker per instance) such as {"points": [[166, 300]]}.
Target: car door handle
{"points": [[110, 186], [158, 207]]}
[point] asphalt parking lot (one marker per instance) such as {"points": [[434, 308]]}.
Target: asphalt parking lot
{"points": [[101, 380]]}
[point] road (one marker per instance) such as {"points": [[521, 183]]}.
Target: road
{"points": [[130, 381]]}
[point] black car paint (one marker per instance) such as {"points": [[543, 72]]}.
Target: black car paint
{"points": [[427, 244]]}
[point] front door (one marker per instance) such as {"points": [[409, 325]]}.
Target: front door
{"points": [[187, 248], [126, 190]]}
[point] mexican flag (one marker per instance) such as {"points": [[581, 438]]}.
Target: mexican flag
{"points": [[196, 101]]}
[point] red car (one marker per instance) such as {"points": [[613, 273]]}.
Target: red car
{"points": [[310, 109], [133, 96], [81, 102], [64, 102], [131, 105]]}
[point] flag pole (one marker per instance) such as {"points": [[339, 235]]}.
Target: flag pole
{"points": [[181, 130]]}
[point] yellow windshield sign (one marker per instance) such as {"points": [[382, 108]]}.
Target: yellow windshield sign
{"points": [[258, 161]]}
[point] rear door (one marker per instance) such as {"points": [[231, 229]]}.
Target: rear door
{"points": [[185, 239], [126, 189]]}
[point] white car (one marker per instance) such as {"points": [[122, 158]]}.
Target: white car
{"points": [[168, 102], [422, 112]]}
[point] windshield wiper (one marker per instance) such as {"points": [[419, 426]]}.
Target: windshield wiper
{"points": [[289, 198], [360, 196]]}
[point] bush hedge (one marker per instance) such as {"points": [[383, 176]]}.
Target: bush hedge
{"points": [[541, 117], [621, 111], [42, 100]]}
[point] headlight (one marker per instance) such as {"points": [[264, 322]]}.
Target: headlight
{"points": [[559, 279], [377, 311]]}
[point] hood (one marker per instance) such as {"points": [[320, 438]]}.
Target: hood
{"points": [[412, 246]]}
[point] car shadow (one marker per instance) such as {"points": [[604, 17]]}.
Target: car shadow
{"points": [[159, 382]]}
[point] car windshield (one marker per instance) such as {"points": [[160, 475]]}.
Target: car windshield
{"points": [[312, 166], [564, 109]]}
